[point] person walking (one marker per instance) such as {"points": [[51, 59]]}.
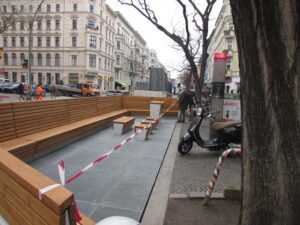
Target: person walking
{"points": [[53, 91], [20, 91], [191, 95], [38, 92], [183, 104]]}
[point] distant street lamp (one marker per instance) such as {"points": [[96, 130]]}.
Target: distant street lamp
{"points": [[31, 41]]}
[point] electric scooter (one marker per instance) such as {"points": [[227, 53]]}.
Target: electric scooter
{"points": [[228, 133]]}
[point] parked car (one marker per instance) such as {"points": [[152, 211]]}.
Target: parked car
{"points": [[47, 87], [5, 86], [3, 83], [4, 80], [117, 92], [12, 88]]}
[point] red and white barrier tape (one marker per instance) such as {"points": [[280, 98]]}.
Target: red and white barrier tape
{"points": [[61, 166], [217, 172], [89, 166]]}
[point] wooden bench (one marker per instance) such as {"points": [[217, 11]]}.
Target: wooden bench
{"points": [[145, 133], [29, 129], [153, 124], [141, 105], [123, 124]]}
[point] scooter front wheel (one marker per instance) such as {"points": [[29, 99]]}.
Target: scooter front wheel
{"points": [[185, 146]]}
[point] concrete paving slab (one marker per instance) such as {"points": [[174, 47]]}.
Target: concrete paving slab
{"points": [[129, 192], [122, 183]]}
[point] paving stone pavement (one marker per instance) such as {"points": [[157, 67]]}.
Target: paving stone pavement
{"points": [[192, 172]]}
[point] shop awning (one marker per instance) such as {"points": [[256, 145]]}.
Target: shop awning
{"points": [[122, 83]]}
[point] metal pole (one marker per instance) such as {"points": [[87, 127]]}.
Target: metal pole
{"points": [[31, 41]]}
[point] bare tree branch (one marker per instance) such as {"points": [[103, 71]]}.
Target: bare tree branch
{"points": [[186, 22]]}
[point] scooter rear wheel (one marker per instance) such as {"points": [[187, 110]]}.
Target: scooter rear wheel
{"points": [[185, 146]]}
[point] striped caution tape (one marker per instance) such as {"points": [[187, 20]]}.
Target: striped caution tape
{"points": [[89, 166], [217, 172], [61, 166]]}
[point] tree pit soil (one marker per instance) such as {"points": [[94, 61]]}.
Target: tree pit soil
{"points": [[192, 212]]}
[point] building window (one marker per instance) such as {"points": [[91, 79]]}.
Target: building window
{"points": [[228, 63], [75, 7], [4, 41], [4, 9], [48, 60], [74, 42], [13, 42], [40, 78], [5, 59], [48, 24], [74, 60], [21, 8], [118, 45], [30, 8], [57, 41], [14, 77], [40, 59], [48, 41], [74, 24], [22, 42], [13, 9], [57, 59], [93, 41], [13, 59], [22, 58], [48, 8], [230, 25], [91, 9], [31, 62], [39, 42], [92, 60], [91, 24], [57, 7], [22, 25], [30, 25], [13, 25], [57, 24], [229, 44], [39, 24], [118, 60]]}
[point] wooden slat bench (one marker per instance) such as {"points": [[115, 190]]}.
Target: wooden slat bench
{"points": [[29, 129], [153, 124], [145, 133], [123, 124]]}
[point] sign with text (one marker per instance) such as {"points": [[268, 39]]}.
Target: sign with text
{"points": [[218, 90], [232, 109], [220, 57]]}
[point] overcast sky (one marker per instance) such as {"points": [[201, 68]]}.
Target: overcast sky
{"points": [[169, 14]]}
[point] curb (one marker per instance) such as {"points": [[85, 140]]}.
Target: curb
{"points": [[156, 208]]}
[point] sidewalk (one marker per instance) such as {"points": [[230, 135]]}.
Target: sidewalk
{"points": [[182, 182]]}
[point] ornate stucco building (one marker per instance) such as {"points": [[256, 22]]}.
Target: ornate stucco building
{"points": [[72, 41]]}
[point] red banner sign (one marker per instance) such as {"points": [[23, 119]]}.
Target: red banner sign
{"points": [[220, 55]]}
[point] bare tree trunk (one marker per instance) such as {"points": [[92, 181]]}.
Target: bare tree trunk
{"points": [[268, 34]]}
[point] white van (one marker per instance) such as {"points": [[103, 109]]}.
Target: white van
{"points": [[3, 80]]}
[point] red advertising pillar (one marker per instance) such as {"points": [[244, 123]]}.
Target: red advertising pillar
{"points": [[219, 71]]}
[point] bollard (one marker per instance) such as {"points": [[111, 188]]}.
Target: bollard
{"points": [[217, 172]]}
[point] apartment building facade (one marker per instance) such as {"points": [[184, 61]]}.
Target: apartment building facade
{"points": [[72, 41], [224, 40], [125, 67]]}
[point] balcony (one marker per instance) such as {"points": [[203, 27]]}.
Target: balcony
{"points": [[92, 28], [229, 33]]}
